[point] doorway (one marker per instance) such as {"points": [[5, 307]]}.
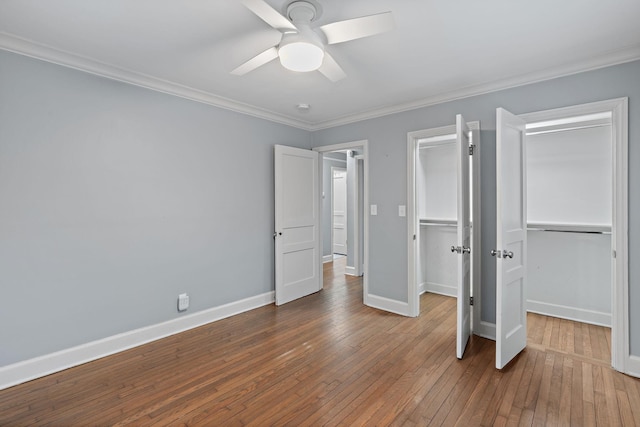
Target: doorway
{"points": [[432, 213], [339, 204], [352, 157], [569, 174], [443, 249]]}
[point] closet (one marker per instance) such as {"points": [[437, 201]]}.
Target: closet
{"points": [[436, 197], [561, 222], [443, 253], [569, 218]]}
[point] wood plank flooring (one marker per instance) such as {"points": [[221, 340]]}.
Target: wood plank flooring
{"points": [[328, 360]]}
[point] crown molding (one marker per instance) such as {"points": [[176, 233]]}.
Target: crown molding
{"points": [[15, 44], [47, 53], [629, 54]]}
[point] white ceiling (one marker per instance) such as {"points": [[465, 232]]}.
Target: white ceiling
{"points": [[439, 50]]}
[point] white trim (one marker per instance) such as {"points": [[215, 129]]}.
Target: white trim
{"points": [[633, 367], [364, 146], [47, 53], [438, 288], [89, 65], [388, 304], [576, 314], [30, 369], [327, 258], [355, 205], [620, 351], [350, 271], [331, 159], [476, 226], [422, 288], [484, 329], [621, 56]]}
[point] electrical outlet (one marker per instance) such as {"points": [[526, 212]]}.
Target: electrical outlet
{"points": [[183, 302]]}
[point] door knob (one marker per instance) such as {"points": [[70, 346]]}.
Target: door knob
{"points": [[461, 249], [501, 254]]}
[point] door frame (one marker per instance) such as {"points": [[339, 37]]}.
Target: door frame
{"points": [[354, 145], [332, 202], [621, 359], [412, 217], [358, 213]]}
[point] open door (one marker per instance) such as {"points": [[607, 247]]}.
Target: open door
{"points": [[511, 237], [339, 204], [297, 224], [464, 238]]}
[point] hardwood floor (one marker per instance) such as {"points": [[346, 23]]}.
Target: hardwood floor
{"points": [[328, 360]]}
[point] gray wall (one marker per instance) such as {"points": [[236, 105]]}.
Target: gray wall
{"points": [[388, 181], [330, 160], [114, 199]]}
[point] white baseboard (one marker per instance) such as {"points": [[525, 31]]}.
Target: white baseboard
{"points": [[351, 271], [37, 367], [438, 288], [387, 304], [570, 313], [633, 366], [485, 330], [327, 258]]}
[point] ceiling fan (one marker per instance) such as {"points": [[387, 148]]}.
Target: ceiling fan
{"points": [[301, 47]]}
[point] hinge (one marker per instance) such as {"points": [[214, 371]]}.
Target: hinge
{"points": [[471, 149], [414, 237], [470, 300], [614, 253]]}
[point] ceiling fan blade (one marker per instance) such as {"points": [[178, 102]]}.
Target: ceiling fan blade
{"points": [[269, 15], [330, 69], [356, 28], [257, 61]]}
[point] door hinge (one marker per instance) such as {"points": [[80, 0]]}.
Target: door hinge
{"points": [[414, 237], [470, 300], [614, 253], [471, 149]]}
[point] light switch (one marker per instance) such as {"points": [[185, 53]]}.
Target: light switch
{"points": [[374, 209], [402, 210]]}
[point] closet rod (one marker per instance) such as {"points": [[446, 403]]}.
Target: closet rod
{"points": [[556, 230], [570, 228], [439, 223]]}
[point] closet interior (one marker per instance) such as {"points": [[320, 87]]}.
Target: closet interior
{"points": [[569, 217]]}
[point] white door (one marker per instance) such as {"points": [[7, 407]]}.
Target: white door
{"points": [[339, 211], [297, 223], [464, 238], [511, 237]]}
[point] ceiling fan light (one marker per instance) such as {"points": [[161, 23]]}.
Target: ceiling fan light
{"points": [[301, 56]]}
